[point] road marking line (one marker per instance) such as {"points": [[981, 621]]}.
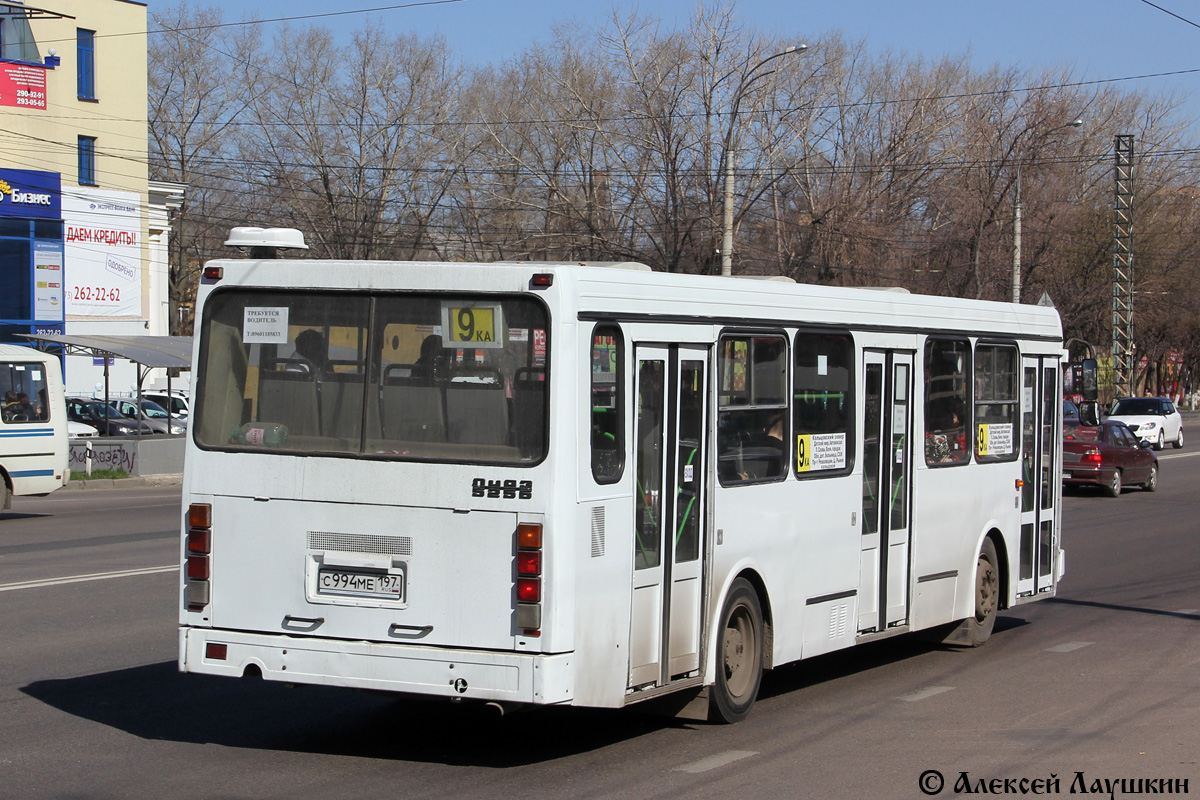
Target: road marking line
{"points": [[1172, 456], [719, 760], [95, 576], [1068, 647], [921, 694], [1187, 610]]}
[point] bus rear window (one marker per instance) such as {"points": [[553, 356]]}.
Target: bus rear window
{"points": [[409, 377]]}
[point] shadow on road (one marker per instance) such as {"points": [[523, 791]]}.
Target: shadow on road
{"points": [[863, 658], [157, 702]]}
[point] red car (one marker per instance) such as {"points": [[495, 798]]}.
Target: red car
{"points": [[1108, 455]]}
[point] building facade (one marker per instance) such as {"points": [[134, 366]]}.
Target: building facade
{"points": [[82, 249]]}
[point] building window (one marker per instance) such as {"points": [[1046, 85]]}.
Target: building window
{"points": [[85, 57], [87, 160]]}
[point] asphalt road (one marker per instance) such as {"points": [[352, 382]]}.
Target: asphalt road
{"points": [[1104, 681]]}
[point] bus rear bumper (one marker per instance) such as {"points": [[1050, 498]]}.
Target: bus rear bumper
{"points": [[469, 674]]}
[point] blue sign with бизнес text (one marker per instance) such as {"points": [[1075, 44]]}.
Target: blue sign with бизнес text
{"points": [[27, 193]]}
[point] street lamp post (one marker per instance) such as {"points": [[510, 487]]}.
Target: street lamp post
{"points": [[1016, 266], [748, 78]]}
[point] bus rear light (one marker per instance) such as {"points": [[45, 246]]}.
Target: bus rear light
{"points": [[200, 515], [529, 563], [529, 590], [197, 568], [199, 541], [542, 280], [529, 536], [216, 652], [197, 595], [214, 273]]}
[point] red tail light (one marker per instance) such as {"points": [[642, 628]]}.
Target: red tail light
{"points": [[529, 585], [1092, 456], [197, 588], [529, 563], [529, 590], [199, 541], [197, 568]]}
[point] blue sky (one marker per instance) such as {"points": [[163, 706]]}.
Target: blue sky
{"points": [[1103, 39]]}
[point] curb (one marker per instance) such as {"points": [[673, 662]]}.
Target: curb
{"points": [[137, 482]]}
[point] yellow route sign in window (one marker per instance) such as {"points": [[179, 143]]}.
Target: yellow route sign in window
{"points": [[480, 326]]}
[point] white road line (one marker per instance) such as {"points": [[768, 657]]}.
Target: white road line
{"points": [[1069, 647], [718, 760], [921, 694], [95, 576], [1187, 610], [1172, 456]]}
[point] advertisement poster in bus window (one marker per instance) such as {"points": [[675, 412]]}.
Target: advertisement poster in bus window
{"points": [[103, 275], [539, 347]]}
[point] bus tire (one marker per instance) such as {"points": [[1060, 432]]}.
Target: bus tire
{"points": [[739, 655], [5, 495], [987, 595]]}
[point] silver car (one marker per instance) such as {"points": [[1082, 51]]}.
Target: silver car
{"points": [[151, 413], [1153, 419]]}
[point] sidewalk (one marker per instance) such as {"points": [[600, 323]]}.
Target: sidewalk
{"points": [[137, 482]]}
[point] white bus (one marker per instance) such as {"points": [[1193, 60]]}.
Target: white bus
{"points": [[34, 451], [535, 483]]}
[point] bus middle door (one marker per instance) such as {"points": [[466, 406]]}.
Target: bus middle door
{"points": [[670, 516], [887, 469]]}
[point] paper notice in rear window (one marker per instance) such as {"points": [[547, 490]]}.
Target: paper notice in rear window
{"points": [[265, 325]]}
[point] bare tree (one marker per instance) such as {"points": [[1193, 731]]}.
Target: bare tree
{"points": [[193, 104]]}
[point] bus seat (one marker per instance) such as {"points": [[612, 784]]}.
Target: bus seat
{"points": [[476, 413], [411, 409], [529, 408], [289, 398], [341, 404]]}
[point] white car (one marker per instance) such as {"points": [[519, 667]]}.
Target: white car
{"points": [[176, 402], [78, 429], [1153, 419]]}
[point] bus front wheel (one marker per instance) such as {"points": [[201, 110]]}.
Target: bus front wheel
{"points": [[739, 655]]}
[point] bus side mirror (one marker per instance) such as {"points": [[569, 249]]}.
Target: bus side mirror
{"points": [[1089, 413], [1090, 379]]}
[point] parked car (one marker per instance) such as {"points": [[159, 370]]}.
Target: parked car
{"points": [[77, 430], [1108, 455], [151, 413], [1153, 419], [106, 419], [175, 402]]}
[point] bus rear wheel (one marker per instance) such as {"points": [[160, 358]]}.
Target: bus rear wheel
{"points": [[739, 655], [987, 596]]}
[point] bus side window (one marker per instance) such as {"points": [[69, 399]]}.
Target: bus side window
{"points": [[607, 386], [947, 365], [822, 403], [752, 419]]}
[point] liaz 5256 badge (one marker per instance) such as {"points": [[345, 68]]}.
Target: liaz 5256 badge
{"points": [[509, 490]]}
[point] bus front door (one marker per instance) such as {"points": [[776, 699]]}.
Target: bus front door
{"points": [[887, 467], [1041, 433], [669, 524]]}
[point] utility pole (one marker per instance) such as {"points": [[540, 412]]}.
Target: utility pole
{"points": [[1124, 369]]}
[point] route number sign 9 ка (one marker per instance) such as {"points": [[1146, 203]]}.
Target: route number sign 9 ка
{"points": [[480, 326]]}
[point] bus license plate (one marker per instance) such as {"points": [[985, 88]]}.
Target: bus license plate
{"points": [[361, 584]]}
